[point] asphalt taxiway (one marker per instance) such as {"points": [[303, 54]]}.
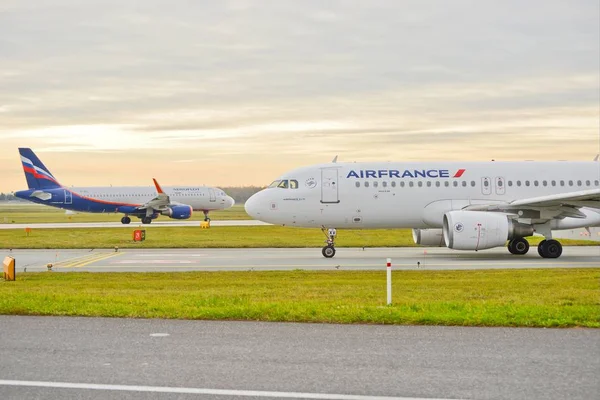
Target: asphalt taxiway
{"points": [[412, 258], [101, 358]]}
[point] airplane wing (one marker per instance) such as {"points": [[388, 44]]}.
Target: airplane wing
{"points": [[552, 206], [160, 202]]}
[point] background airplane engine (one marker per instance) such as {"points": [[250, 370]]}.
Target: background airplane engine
{"points": [[478, 230], [178, 212], [429, 237]]}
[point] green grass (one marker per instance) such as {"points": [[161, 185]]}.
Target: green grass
{"points": [[532, 298], [36, 214], [215, 237]]}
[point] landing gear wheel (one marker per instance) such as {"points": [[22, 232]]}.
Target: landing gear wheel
{"points": [[146, 220], [125, 220], [541, 248], [518, 246], [550, 248], [328, 251]]}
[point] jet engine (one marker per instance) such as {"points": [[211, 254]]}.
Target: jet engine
{"points": [[478, 230], [178, 212], [429, 237]]}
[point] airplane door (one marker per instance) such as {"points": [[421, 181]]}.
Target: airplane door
{"points": [[68, 197], [211, 193], [486, 186], [329, 185], [500, 185]]}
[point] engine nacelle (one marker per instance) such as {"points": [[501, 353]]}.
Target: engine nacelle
{"points": [[178, 212], [429, 237], [478, 230]]}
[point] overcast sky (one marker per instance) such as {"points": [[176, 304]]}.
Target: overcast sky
{"points": [[237, 92]]}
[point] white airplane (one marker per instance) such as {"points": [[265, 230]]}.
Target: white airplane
{"points": [[464, 206], [146, 203]]}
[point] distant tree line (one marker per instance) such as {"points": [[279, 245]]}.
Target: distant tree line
{"points": [[241, 194], [8, 197]]}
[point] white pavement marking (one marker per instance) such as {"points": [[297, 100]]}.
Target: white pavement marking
{"points": [[215, 392], [159, 335]]}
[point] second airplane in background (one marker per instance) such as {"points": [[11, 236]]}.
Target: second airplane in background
{"points": [[146, 203]]}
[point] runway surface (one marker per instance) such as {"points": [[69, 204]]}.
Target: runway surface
{"points": [[62, 358], [289, 259], [171, 224]]}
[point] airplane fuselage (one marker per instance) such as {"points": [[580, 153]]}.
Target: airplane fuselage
{"points": [[417, 195]]}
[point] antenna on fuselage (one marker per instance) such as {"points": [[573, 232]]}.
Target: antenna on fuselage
{"points": [[334, 159]]}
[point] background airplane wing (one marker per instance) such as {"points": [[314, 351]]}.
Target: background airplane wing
{"points": [[553, 206]]}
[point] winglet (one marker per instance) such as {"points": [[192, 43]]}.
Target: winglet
{"points": [[334, 159], [158, 188]]}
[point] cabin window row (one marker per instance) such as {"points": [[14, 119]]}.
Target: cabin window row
{"points": [[486, 183]]}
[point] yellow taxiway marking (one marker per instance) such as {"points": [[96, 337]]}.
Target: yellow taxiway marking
{"points": [[86, 260]]}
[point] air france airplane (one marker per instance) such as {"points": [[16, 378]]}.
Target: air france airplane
{"points": [[464, 206], [146, 203]]}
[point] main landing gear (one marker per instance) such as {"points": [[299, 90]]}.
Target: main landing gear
{"points": [[518, 246], [125, 220], [549, 248], [329, 250]]}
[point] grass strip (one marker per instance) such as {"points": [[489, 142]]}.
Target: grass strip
{"points": [[215, 237], [529, 297]]}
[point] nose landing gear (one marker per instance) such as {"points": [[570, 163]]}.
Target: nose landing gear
{"points": [[329, 250]]}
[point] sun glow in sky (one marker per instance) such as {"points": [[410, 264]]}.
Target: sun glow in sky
{"points": [[237, 92]]}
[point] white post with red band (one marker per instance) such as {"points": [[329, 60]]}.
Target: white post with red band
{"points": [[389, 281]]}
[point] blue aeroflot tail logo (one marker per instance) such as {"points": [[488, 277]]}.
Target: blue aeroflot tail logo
{"points": [[408, 173]]}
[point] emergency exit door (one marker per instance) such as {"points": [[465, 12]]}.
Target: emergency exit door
{"points": [[329, 185]]}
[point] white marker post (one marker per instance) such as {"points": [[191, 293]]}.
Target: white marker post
{"points": [[389, 281]]}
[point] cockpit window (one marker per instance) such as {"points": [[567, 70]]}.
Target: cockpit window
{"points": [[284, 184]]}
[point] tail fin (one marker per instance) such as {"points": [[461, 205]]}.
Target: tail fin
{"points": [[36, 173]]}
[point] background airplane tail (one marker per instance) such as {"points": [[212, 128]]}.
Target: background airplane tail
{"points": [[36, 173]]}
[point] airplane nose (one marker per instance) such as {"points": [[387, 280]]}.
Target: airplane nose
{"points": [[230, 201], [252, 206]]}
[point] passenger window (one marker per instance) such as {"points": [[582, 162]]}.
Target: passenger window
{"points": [[375, 184], [428, 183], [411, 184], [526, 183], [518, 183], [437, 184], [536, 183], [420, 184], [446, 183], [283, 184], [402, 184], [455, 183], [509, 183], [393, 183], [597, 183], [587, 183], [384, 184], [578, 183], [486, 183], [562, 183], [366, 184], [357, 184], [293, 184], [570, 183], [545, 183]]}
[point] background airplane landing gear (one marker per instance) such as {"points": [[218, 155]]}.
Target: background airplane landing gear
{"points": [[206, 218], [125, 220], [518, 246], [328, 251], [146, 220], [550, 248]]}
